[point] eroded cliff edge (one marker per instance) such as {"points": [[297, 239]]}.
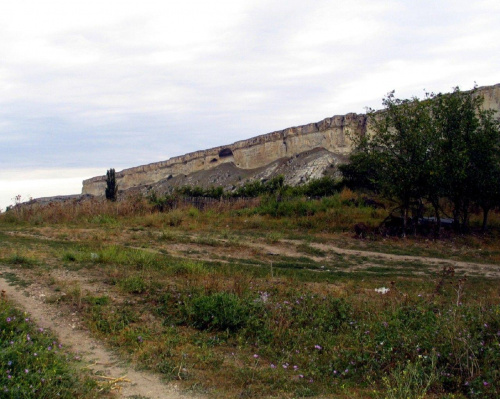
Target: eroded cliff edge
{"points": [[331, 134]]}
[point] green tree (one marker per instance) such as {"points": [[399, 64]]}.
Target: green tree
{"points": [[396, 154], [445, 146], [469, 140], [485, 164], [111, 186]]}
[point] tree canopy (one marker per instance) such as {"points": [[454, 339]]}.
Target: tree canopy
{"points": [[445, 147]]}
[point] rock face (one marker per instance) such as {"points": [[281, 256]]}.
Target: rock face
{"points": [[330, 134]]}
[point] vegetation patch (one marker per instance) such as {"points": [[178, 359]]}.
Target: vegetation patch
{"points": [[34, 364]]}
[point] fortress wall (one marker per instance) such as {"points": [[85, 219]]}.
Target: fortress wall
{"points": [[330, 133]]}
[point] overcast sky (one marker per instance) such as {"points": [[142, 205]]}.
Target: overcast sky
{"points": [[90, 85]]}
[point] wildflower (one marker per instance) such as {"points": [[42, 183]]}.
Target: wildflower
{"points": [[256, 356], [49, 348], [486, 383], [28, 338], [346, 371], [295, 367], [285, 366], [273, 366], [301, 376], [139, 339], [40, 329], [9, 319], [35, 354], [26, 371], [9, 363], [334, 371], [317, 347]]}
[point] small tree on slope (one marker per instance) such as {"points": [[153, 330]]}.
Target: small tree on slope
{"points": [[111, 186]]}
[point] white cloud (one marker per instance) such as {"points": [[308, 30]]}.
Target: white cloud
{"points": [[131, 83], [41, 183]]}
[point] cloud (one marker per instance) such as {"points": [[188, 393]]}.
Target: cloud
{"points": [[118, 83]]}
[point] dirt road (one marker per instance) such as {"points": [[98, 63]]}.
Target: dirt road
{"points": [[93, 354]]}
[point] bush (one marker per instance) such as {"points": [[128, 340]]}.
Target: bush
{"points": [[221, 311]]}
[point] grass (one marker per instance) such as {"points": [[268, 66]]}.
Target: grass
{"points": [[34, 364], [225, 326], [14, 280]]}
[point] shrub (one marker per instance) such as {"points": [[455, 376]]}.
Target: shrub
{"points": [[221, 311], [175, 217]]}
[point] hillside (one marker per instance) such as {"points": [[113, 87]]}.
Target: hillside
{"points": [[299, 153]]}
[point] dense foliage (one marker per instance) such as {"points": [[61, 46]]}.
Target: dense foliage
{"points": [[111, 186], [445, 148]]}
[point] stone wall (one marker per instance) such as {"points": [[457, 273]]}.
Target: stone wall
{"points": [[330, 134]]}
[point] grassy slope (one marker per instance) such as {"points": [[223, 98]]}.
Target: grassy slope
{"points": [[315, 327]]}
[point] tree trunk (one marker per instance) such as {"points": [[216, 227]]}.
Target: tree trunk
{"points": [[437, 227], [485, 218], [405, 220]]}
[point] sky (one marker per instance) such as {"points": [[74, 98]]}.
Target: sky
{"points": [[91, 85]]}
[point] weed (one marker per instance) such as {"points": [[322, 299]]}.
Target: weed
{"points": [[413, 380], [69, 257], [33, 364], [15, 280], [134, 285], [21, 261]]}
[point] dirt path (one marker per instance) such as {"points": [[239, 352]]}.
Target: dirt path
{"points": [[250, 249], [470, 268], [93, 354]]}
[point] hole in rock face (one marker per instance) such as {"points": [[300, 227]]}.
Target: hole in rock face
{"points": [[226, 152], [213, 160]]}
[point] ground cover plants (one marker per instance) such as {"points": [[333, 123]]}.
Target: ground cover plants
{"points": [[262, 302], [34, 364]]}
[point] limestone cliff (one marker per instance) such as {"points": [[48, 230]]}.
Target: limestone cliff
{"points": [[330, 134]]}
